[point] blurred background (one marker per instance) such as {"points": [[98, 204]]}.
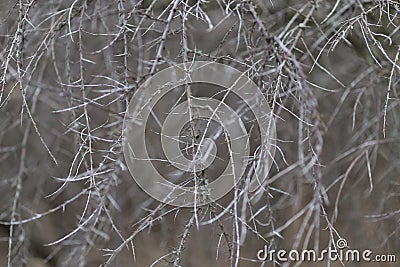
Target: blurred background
{"points": [[329, 70]]}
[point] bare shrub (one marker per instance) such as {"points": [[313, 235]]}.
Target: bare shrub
{"points": [[329, 70]]}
